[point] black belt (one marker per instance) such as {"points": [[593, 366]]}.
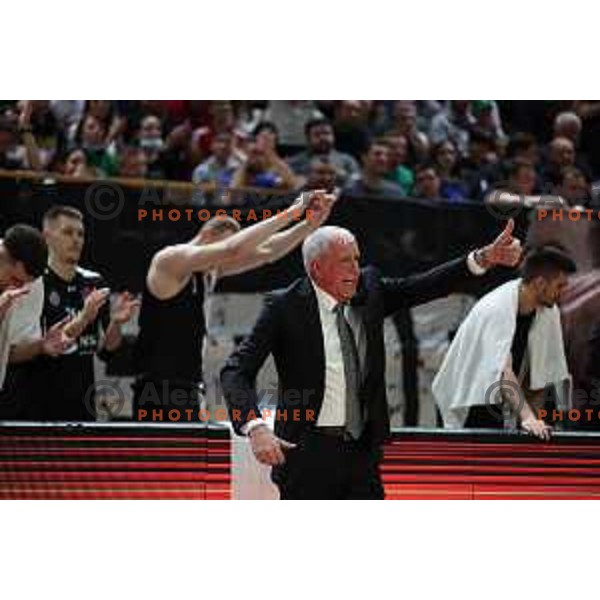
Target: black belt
{"points": [[339, 433]]}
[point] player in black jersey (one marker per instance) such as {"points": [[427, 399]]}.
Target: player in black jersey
{"points": [[172, 325], [65, 384]]}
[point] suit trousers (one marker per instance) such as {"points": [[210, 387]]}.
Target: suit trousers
{"points": [[322, 467]]}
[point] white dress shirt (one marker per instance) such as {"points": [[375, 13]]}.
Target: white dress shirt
{"points": [[333, 409]]}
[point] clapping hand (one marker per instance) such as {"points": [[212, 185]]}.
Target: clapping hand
{"points": [[94, 301], [56, 341], [125, 306]]}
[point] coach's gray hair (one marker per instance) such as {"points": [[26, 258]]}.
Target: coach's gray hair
{"points": [[320, 240]]}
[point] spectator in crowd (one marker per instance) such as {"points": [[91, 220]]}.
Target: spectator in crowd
{"points": [[132, 163], [405, 123], [75, 164], [290, 118], [206, 141], [106, 112], [263, 168], [11, 155], [67, 113], [372, 181], [322, 175], [351, 128], [561, 154], [380, 121], [320, 139], [573, 187], [37, 119], [399, 172], [29, 154], [183, 151], [428, 185], [219, 167], [91, 138], [521, 177], [481, 168], [266, 135], [454, 123], [103, 110], [427, 109], [150, 140], [567, 124], [445, 160], [220, 118], [486, 117], [523, 146]]}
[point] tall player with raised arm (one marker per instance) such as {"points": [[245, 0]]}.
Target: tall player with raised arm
{"points": [[172, 322]]}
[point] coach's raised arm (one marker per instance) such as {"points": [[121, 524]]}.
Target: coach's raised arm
{"points": [[326, 335]]}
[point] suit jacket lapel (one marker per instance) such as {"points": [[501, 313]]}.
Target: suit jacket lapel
{"points": [[311, 320], [360, 305]]}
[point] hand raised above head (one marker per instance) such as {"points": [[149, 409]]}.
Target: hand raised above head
{"points": [[505, 250]]}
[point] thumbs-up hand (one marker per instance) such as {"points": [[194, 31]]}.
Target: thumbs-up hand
{"points": [[505, 250]]}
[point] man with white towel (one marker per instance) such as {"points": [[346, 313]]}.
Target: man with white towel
{"points": [[510, 342]]}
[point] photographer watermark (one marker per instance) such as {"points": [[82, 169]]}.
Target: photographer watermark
{"points": [[107, 395], [505, 399], [163, 402], [104, 200], [501, 395]]}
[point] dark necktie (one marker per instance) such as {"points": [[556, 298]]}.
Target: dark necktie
{"points": [[354, 421]]}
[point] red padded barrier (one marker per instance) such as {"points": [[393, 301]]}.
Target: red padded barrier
{"points": [[114, 461]]}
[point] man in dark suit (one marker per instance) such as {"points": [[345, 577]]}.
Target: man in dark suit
{"points": [[326, 335]]}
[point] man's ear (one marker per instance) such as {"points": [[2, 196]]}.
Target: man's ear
{"points": [[21, 271], [538, 283], [314, 270]]}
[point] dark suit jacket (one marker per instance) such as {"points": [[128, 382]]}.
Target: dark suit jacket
{"points": [[289, 327]]}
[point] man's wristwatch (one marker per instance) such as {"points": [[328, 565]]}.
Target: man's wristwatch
{"points": [[480, 258]]}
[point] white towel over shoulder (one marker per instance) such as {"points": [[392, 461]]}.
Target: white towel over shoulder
{"points": [[481, 348]]}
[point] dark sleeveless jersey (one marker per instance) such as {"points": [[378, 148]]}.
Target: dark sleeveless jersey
{"points": [[169, 345]]}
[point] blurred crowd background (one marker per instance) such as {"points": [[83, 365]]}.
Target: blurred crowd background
{"points": [[439, 150]]}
